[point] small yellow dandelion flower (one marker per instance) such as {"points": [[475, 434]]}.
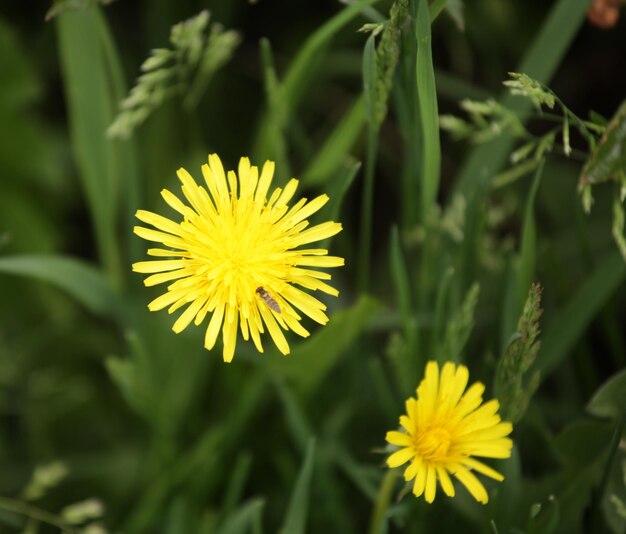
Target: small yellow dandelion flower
{"points": [[445, 429], [236, 255]]}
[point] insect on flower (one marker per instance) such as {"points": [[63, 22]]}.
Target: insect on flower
{"points": [[267, 298]]}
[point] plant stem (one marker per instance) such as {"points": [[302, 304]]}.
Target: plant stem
{"points": [[33, 512], [379, 514]]}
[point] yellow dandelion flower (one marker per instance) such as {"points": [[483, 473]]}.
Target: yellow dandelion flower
{"points": [[444, 429], [236, 255]]}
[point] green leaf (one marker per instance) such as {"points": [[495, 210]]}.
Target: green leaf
{"points": [[334, 152], [236, 483], [609, 157], [540, 62], [454, 8], [80, 280], [544, 517], [569, 324], [610, 399], [125, 153], [246, 519], [367, 200], [428, 111], [618, 225], [337, 192], [510, 387], [529, 238], [60, 7], [517, 171], [440, 308], [314, 358], [401, 286], [90, 105], [303, 68], [296, 420], [295, 519], [277, 110], [583, 442], [459, 328]]}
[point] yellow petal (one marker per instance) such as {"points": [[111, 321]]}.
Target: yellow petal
{"points": [[323, 261], [160, 278], [166, 299], [431, 484], [497, 448], [218, 177], [214, 326], [482, 468], [160, 237], [274, 330], [444, 479], [267, 173], [472, 484], [174, 202], [188, 315], [159, 222], [411, 471], [315, 205], [287, 193], [420, 480], [229, 334], [158, 266], [400, 457], [316, 233], [399, 438]]}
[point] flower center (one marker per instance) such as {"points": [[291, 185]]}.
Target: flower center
{"points": [[433, 443]]}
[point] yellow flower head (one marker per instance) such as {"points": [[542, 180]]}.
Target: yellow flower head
{"points": [[235, 255], [444, 429]]}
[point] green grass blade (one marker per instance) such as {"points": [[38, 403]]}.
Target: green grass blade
{"points": [[402, 288], [339, 143], [277, 112], [295, 520], [90, 107], [296, 420], [529, 239], [429, 116], [78, 279], [244, 519], [569, 324], [303, 68], [337, 192], [459, 328], [609, 400], [125, 152], [367, 200], [378, 521], [314, 358], [455, 88], [540, 62], [440, 308], [436, 8], [236, 483]]}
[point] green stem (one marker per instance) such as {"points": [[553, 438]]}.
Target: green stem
{"points": [[367, 200], [22, 508], [379, 514]]}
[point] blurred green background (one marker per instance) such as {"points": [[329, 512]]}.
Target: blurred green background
{"points": [[172, 440]]}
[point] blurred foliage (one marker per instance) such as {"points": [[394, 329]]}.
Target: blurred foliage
{"points": [[185, 69], [110, 422]]}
